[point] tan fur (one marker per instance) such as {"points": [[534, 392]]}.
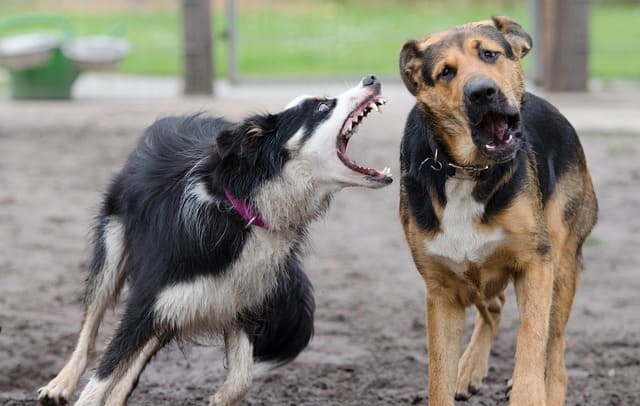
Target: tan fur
{"points": [[474, 364], [539, 253], [444, 99]]}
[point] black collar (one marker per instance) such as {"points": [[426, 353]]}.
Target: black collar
{"points": [[450, 169]]}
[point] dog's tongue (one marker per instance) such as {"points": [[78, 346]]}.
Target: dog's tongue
{"points": [[495, 126]]}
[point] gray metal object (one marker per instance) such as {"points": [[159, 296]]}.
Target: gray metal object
{"points": [[97, 53]]}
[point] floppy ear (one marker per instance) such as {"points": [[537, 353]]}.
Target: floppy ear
{"points": [[409, 64], [520, 41], [242, 138]]}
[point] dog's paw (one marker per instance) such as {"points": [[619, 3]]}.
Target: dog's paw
{"points": [[471, 372], [220, 400], [54, 394], [214, 401], [465, 395], [507, 391]]}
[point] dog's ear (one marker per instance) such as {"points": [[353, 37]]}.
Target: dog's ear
{"points": [[520, 41], [409, 64], [245, 137]]}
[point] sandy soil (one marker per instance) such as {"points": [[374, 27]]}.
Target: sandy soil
{"points": [[369, 346]]}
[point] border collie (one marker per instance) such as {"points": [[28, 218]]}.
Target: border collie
{"points": [[206, 222]]}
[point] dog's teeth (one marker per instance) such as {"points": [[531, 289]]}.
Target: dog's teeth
{"points": [[489, 146], [374, 106]]}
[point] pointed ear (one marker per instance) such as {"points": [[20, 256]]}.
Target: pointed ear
{"points": [[409, 65], [244, 137], [520, 41], [228, 141]]}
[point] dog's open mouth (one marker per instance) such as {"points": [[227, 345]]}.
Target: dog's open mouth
{"points": [[499, 135], [349, 128], [497, 127]]}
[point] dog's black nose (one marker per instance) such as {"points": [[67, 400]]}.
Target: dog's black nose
{"points": [[481, 90], [370, 80]]}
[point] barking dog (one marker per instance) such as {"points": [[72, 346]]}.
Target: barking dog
{"points": [[494, 188], [206, 222]]}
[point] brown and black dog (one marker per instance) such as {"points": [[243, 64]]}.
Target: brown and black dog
{"points": [[494, 188]]}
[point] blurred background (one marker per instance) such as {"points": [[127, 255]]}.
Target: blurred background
{"points": [[293, 39], [80, 80]]}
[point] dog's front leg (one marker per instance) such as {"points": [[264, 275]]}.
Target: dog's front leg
{"points": [[445, 324], [534, 291], [239, 353]]}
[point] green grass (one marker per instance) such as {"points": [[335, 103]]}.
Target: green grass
{"points": [[615, 41], [333, 38], [154, 37], [341, 40]]}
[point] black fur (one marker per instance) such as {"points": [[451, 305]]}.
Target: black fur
{"points": [[433, 53], [555, 144], [163, 248], [417, 181], [497, 199], [550, 144], [282, 327]]}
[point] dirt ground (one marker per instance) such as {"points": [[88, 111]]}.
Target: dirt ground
{"points": [[369, 345]]}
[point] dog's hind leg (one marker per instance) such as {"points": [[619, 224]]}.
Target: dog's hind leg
{"points": [[103, 287], [570, 226], [239, 353], [134, 342], [474, 364]]}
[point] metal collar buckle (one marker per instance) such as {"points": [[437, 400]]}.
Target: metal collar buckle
{"points": [[436, 165], [467, 172], [460, 172]]}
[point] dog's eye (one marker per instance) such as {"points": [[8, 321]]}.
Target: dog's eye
{"points": [[489, 56], [323, 107], [447, 73]]}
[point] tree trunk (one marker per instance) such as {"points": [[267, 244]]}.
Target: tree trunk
{"points": [[563, 44], [198, 72]]}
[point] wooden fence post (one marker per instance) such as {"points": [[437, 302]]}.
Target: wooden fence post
{"points": [[563, 44], [198, 71]]}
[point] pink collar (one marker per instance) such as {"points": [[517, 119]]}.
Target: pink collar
{"points": [[246, 212]]}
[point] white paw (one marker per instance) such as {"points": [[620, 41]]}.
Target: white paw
{"points": [[218, 400], [215, 400], [55, 393]]}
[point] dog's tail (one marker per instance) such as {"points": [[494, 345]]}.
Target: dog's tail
{"points": [[283, 327]]}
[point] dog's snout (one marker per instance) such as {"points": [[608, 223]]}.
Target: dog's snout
{"points": [[481, 91], [370, 80]]}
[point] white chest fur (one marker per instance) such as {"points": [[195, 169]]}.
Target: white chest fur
{"points": [[221, 298], [460, 242]]}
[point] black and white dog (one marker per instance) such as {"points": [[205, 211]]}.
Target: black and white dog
{"points": [[207, 222]]}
